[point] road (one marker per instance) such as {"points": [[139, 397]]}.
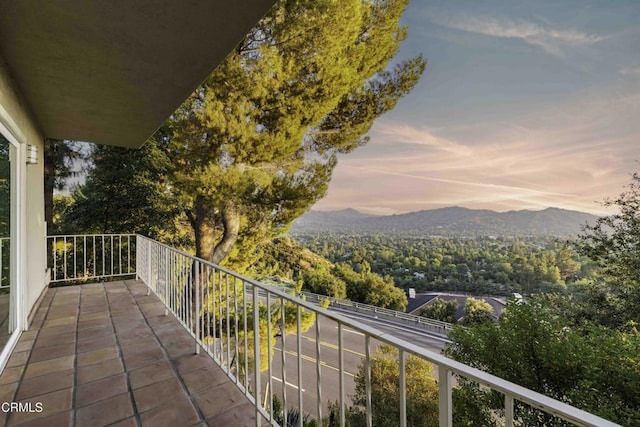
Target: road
{"points": [[354, 352]]}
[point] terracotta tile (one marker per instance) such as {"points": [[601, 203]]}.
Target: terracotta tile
{"points": [[96, 343], [52, 403], [45, 384], [126, 318], [49, 366], [204, 378], [87, 324], [106, 411], [214, 401], [60, 321], [61, 419], [93, 316], [128, 422], [190, 362], [18, 358], [99, 370], [101, 389], [240, 416], [30, 335], [150, 374], [145, 344], [180, 347], [156, 394], [91, 309], [138, 360], [95, 356], [52, 352], [97, 331], [136, 331], [11, 375], [7, 392], [169, 329], [61, 311], [179, 412], [23, 345], [56, 330], [45, 341]]}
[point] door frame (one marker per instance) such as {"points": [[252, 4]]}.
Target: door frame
{"points": [[18, 192]]}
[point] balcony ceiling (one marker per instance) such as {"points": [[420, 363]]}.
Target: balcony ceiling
{"points": [[111, 72]]}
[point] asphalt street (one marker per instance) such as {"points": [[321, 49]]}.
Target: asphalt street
{"points": [[291, 383]]}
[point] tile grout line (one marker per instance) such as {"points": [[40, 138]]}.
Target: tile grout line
{"points": [[75, 362], [26, 363], [136, 413], [168, 357]]}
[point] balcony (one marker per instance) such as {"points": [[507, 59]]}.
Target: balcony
{"points": [[171, 342]]}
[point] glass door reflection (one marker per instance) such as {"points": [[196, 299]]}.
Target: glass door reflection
{"points": [[6, 314]]}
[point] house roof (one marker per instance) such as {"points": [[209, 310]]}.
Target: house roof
{"points": [[112, 72]]}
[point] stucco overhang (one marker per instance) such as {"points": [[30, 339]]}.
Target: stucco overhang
{"points": [[112, 71]]}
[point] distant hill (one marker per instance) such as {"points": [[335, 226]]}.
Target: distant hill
{"points": [[448, 221]]}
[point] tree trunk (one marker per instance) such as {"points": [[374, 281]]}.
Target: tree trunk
{"points": [[49, 181], [203, 228], [231, 224], [205, 234]]}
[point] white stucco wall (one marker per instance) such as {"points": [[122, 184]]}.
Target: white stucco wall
{"points": [[15, 116]]}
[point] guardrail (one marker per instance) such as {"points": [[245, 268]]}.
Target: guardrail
{"points": [[5, 249], [91, 256], [430, 325], [235, 320]]}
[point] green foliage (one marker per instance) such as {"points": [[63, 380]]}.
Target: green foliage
{"points": [[285, 260], [440, 309], [125, 192], [5, 187], [480, 265], [255, 145], [293, 416], [370, 288], [422, 392], [62, 160], [593, 368], [613, 244], [476, 311], [323, 282]]}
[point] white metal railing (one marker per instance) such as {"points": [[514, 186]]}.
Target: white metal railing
{"points": [[222, 310], [5, 249], [430, 325], [91, 256]]}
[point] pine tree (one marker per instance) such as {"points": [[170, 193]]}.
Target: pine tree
{"points": [[125, 192], [255, 144]]}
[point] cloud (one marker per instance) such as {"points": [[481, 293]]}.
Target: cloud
{"points": [[571, 155], [550, 40], [405, 134], [630, 71]]}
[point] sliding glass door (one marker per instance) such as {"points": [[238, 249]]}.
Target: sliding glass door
{"points": [[7, 256]]}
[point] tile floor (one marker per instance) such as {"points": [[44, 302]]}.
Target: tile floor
{"points": [[105, 354]]}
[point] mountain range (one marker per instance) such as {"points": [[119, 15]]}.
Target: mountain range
{"points": [[448, 221]]}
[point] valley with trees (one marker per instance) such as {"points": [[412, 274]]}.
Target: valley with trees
{"points": [[230, 175]]}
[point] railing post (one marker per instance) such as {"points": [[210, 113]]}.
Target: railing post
{"points": [[508, 410], [445, 403], [403, 389], [367, 352], [148, 267], [256, 354], [195, 284]]}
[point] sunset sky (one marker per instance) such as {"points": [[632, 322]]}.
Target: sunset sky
{"points": [[523, 105]]}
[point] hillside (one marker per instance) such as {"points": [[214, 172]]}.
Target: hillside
{"points": [[448, 221]]}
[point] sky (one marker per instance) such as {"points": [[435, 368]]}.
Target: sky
{"points": [[523, 105]]}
